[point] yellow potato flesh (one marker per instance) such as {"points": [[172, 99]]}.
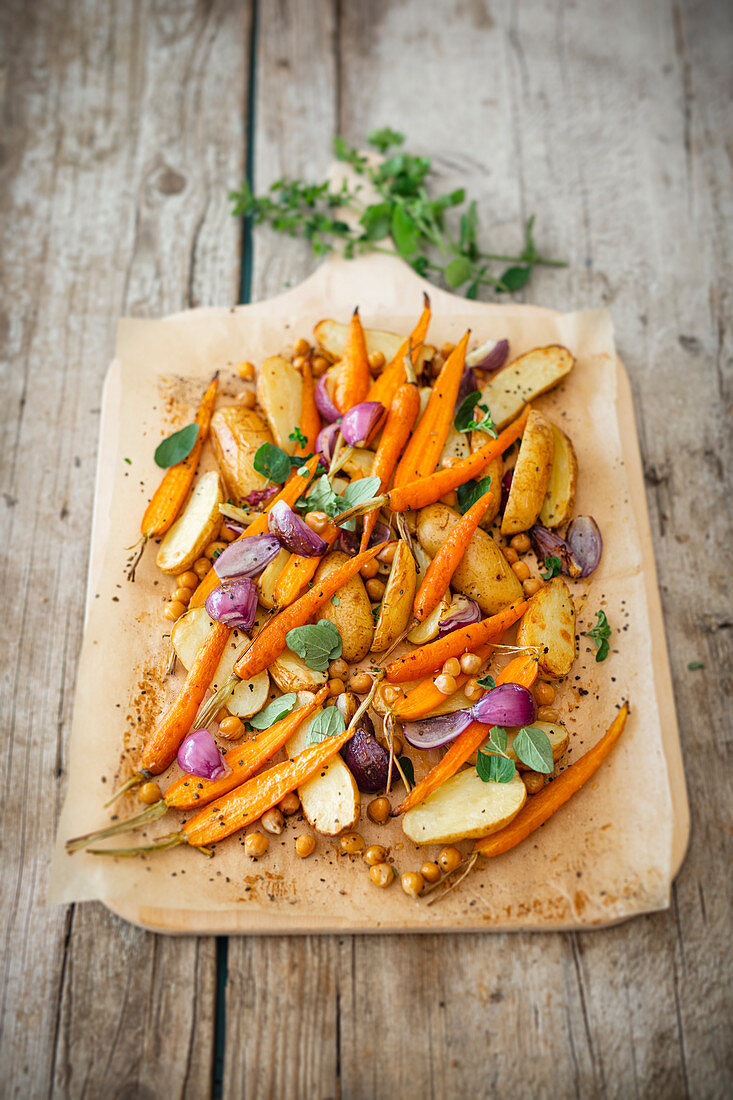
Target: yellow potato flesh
{"points": [[194, 528], [330, 801], [188, 635], [464, 807]]}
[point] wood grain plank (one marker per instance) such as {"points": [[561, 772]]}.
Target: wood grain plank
{"points": [[122, 133]]}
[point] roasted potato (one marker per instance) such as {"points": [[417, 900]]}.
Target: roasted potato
{"points": [[456, 445], [549, 624], [557, 734], [236, 433], [527, 377], [494, 470], [280, 393], [187, 637], [484, 574], [399, 596], [427, 630], [194, 528], [330, 801], [267, 579], [464, 807], [557, 507], [351, 614], [331, 336], [290, 673], [531, 476], [359, 463]]}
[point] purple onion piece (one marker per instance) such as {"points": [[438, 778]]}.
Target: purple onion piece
{"points": [[259, 496], [585, 543], [198, 755], [506, 484], [294, 533], [462, 612], [548, 544], [233, 603], [324, 404], [350, 541], [233, 526], [432, 733], [367, 760], [326, 442], [246, 557], [490, 356], [361, 422], [469, 384], [506, 705]]}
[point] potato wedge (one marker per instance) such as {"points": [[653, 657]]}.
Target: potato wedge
{"points": [[359, 463], [352, 613], [556, 732], [484, 574], [184, 542], [267, 579], [399, 596], [331, 335], [557, 507], [290, 673], [494, 470], [457, 445], [427, 630], [187, 637], [533, 373], [464, 807], [549, 624], [330, 801], [531, 475], [280, 393], [236, 433]]}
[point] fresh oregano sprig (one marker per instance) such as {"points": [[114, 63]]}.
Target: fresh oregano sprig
{"points": [[405, 211]]}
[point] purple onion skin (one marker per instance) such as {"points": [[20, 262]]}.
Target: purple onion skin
{"points": [[469, 613], [294, 533], [324, 404], [350, 541], [433, 733], [469, 384], [585, 543], [361, 422], [546, 543], [246, 557], [494, 358], [506, 705], [367, 760], [233, 603], [506, 484], [326, 442], [199, 756], [259, 496]]}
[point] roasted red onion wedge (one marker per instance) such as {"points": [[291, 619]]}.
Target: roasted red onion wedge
{"points": [[506, 484], [233, 603], [259, 496], [198, 755], [490, 356], [433, 733], [585, 543], [469, 384], [361, 422], [367, 760], [324, 404], [326, 442], [506, 705], [246, 557], [462, 612], [548, 544], [294, 533], [350, 541]]}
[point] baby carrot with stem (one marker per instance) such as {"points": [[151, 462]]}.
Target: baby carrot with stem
{"points": [[543, 805], [310, 418], [167, 499], [392, 377], [441, 569], [351, 377]]}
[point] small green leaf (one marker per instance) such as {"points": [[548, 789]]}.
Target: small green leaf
{"points": [[472, 491], [329, 723], [487, 681], [316, 644], [534, 749], [553, 568], [404, 232], [377, 221], [174, 448], [297, 437], [272, 463], [497, 739], [358, 492], [335, 601], [495, 769], [128, 461], [695, 665], [274, 711], [514, 278], [457, 272], [406, 765], [465, 419], [600, 634], [385, 138]]}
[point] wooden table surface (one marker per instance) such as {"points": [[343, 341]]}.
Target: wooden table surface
{"points": [[124, 127]]}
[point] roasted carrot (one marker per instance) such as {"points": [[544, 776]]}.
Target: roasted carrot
{"points": [[468, 742], [189, 792], [441, 569], [351, 377], [521, 670], [299, 571], [433, 655], [421, 454], [424, 697], [290, 492], [310, 418], [542, 806], [385, 387]]}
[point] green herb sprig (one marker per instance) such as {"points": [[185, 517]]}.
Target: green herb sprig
{"points": [[465, 419], [530, 745], [600, 634], [404, 210], [553, 567], [317, 644]]}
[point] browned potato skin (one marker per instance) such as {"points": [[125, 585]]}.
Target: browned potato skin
{"points": [[397, 603], [280, 394], [352, 616], [557, 507], [533, 373], [484, 574], [531, 475], [549, 624], [494, 470], [236, 433]]}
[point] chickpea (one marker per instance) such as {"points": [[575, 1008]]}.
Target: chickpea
{"points": [[430, 872], [473, 690], [369, 569], [511, 555], [382, 875], [452, 667], [213, 550], [533, 781], [413, 883], [376, 361], [547, 714], [298, 362], [521, 543], [149, 793], [183, 595], [447, 349], [187, 580], [389, 551], [256, 845], [449, 859], [246, 371], [347, 705], [521, 570], [272, 821], [375, 588], [378, 810], [375, 854], [305, 845], [470, 663], [231, 728], [360, 682], [531, 586], [201, 567], [317, 521], [391, 694], [290, 804], [248, 399], [338, 669], [174, 610], [446, 685], [352, 843], [302, 347], [319, 366], [544, 694], [336, 687]]}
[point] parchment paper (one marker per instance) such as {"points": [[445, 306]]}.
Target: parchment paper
{"points": [[607, 855]]}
